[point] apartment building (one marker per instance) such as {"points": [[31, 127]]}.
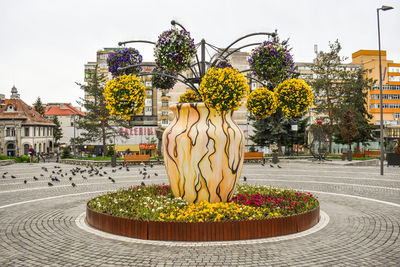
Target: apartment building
{"points": [[369, 59]]}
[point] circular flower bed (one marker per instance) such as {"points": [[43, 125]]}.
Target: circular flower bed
{"points": [[125, 96], [152, 213], [223, 89], [271, 62], [124, 58], [294, 96], [174, 50], [157, 203], [189, 96], [162, 81], [262, 103]]}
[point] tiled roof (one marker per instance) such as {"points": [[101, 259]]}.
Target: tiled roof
{"points": [[22, 111], [65, 110]]}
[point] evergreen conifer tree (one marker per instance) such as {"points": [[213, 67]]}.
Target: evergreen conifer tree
{"points": [[97, 123], [38, 106], [57, 131]]}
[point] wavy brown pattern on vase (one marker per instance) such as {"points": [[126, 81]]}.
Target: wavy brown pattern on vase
{"points": [[203, 153]]}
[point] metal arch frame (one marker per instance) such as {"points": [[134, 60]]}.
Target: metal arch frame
{"points": [[184, 81], [201, 64]]}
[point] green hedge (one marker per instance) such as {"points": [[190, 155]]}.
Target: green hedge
{"points": [[19, 159]]}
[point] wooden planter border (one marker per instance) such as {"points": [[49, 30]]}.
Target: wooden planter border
{"points": [[202, 231]]}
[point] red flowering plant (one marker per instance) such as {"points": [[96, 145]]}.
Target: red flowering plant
{"points": [[282, 201]]}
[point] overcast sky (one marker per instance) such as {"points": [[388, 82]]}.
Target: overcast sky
{"points": [[45, 44]]}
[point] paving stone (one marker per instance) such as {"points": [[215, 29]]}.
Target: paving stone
{"points": [[37, 222]]}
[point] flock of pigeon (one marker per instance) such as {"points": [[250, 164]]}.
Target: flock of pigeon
{"points": [[262, 164], [72, 175], [89, 171]]}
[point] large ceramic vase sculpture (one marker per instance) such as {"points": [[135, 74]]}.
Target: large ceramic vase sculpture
{"points": [[203, 153]]}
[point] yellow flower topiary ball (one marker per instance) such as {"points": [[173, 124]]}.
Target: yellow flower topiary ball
{"points": [[294, 96], [262, 103], [223, 89], [125, 96]]}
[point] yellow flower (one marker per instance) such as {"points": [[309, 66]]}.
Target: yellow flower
{"points": [[223, 89], [189, 96], [262, 103], [125, 96], [294, 96]]}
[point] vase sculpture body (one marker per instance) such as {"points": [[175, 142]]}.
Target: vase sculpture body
{"points": [[203, 153]]}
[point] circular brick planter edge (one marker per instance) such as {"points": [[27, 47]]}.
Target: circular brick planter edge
{"points": [[202, 231]]}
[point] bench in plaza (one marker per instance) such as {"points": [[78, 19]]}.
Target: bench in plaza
{"points": [[256, 156], [136, 158], [372, 154], [253, 155]]}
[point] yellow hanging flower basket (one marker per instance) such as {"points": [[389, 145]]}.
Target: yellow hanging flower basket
{"points": [[294, 96], [262, 103], [223, 89], [125, 96]]}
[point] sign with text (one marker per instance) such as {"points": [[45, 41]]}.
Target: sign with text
{"points": [[147, 146], [141, 131]]}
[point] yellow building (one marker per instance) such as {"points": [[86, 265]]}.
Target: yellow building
{"points": [[390, 89]]}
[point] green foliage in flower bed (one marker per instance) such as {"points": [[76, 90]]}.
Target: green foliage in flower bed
{"points": [[19, 159], [157, 203]]}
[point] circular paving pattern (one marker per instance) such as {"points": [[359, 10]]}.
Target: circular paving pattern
{"points": [[38, 223]]}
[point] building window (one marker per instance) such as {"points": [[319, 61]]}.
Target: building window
{"points": [[394, 132], [253, 86], [164, 113], [148, 102], [385, 96], [26, 131], [148, 84], [148, 111], [103, 66], [164, 103], [164, 122], [385, 106], [394, 69], [149, 92], [397, 116], [103, 56], [10, 108], [10, 131], [394, 78]]}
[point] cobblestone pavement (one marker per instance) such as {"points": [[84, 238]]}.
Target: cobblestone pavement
{"points": [[38, 228]]}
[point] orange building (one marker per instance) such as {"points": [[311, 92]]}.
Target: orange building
{"points": [[390, 89]]}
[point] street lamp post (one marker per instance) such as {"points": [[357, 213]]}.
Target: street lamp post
{"points": [[74, 138], [383, 8]]}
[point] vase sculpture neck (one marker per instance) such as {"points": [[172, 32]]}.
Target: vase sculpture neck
{"points": [[176, 108]]}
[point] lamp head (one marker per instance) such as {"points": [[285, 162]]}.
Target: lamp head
{"points": [[384, 8]]}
